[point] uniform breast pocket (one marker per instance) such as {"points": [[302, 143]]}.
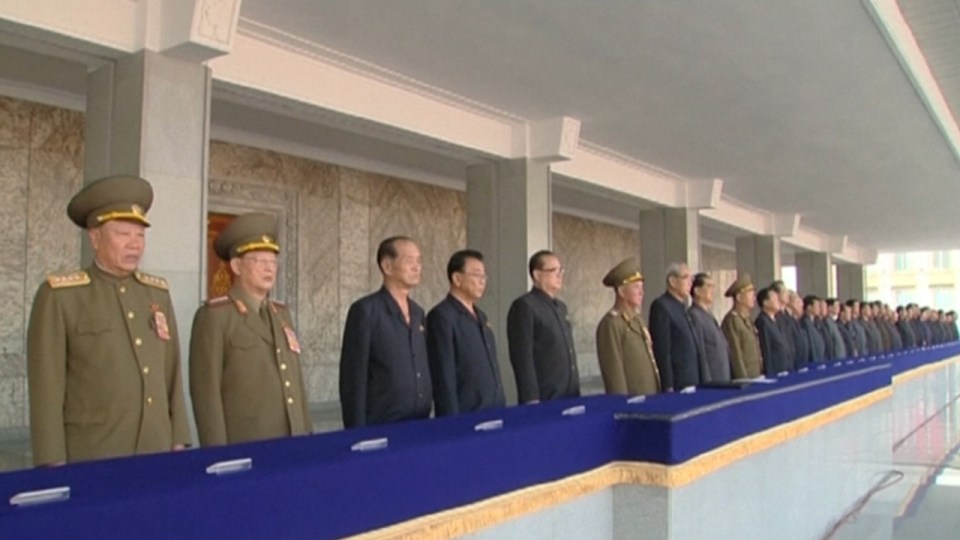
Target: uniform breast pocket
{"points": [[244, 341], [94, 343]]}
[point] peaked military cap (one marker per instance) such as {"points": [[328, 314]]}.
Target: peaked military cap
{"points": [[249, 232], [742, 283], [628, 271], [115, 197]]}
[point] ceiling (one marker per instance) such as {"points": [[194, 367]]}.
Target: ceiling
{"points": [[798, 106]]}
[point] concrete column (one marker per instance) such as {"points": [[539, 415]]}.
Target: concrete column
{"points": [[509, 217], [814, 274], [667, 235], [759, 256], [148, 115], [850, 281]]}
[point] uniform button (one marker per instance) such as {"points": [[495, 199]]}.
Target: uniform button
{"points": [[129, 314], [290, 401], [283, 367], [149, 401], [123, 290], [278, 350], [146, 370], [138, 342], [286, 383], [418, 374]]}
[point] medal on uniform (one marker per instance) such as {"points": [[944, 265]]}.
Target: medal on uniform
{"points": [[292, 342], [160, 323]]}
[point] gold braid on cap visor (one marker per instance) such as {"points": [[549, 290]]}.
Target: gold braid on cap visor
{"points": [[258, 245], [133, 214]]}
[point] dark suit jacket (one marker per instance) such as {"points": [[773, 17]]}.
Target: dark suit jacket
{"points": [[907, 334], [801, 343], [541, 348], [384, 373], [818, 349], [716, 351], [783, 323], [773, 346], [674, 343], [849, 332], [463, 359]]}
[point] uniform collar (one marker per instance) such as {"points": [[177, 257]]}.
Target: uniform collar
{"points": [[477, 314], [95, 270], [252, 305]]}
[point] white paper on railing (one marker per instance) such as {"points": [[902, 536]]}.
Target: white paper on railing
{"points": [[636, 399], [232, 466], [370, 444], [575, 410], [41, 496], [489, 425]]}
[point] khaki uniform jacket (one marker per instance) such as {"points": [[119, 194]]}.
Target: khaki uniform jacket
{"points": [[245, 376], [741, 333], [103, 365], [625, 353]]}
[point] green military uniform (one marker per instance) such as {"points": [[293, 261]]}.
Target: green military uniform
{"points": [[245, 376], [741, 334], [624, 348], [103, 357]]}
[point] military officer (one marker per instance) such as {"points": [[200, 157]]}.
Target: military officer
{"points": [[245, 375], [745, 361], [623, 342], [103, 356]]}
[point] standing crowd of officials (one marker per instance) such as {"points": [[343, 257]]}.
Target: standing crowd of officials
{"points": [[103, 354]]}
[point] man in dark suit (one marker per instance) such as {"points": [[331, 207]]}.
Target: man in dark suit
{"points": [[773, 346], [905, 328], [818, 348], [384, 373], [460, 343], [674, 342], [795, 334], [830, 321], [716, 350], [540, 336]]}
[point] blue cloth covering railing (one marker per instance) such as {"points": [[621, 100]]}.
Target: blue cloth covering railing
{"points": [[316, 486]]}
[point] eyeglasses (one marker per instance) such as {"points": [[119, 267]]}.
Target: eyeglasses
{"points": [[481, 277], [558, 269]]}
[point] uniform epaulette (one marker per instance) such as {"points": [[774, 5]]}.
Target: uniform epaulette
{"points": [[152, 281], [68, 279], [218, 301]]}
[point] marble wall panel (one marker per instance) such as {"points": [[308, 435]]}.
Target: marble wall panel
{"points": [[15, 119], [588, 250], [433, 216], [13, 219], [12, 401], [319, 282], [41, 162]]}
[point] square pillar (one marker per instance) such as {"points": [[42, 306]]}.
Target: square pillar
{"points": [[814, 273], [850, 281], [667, 235], [509, 218], [759, 256]]}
